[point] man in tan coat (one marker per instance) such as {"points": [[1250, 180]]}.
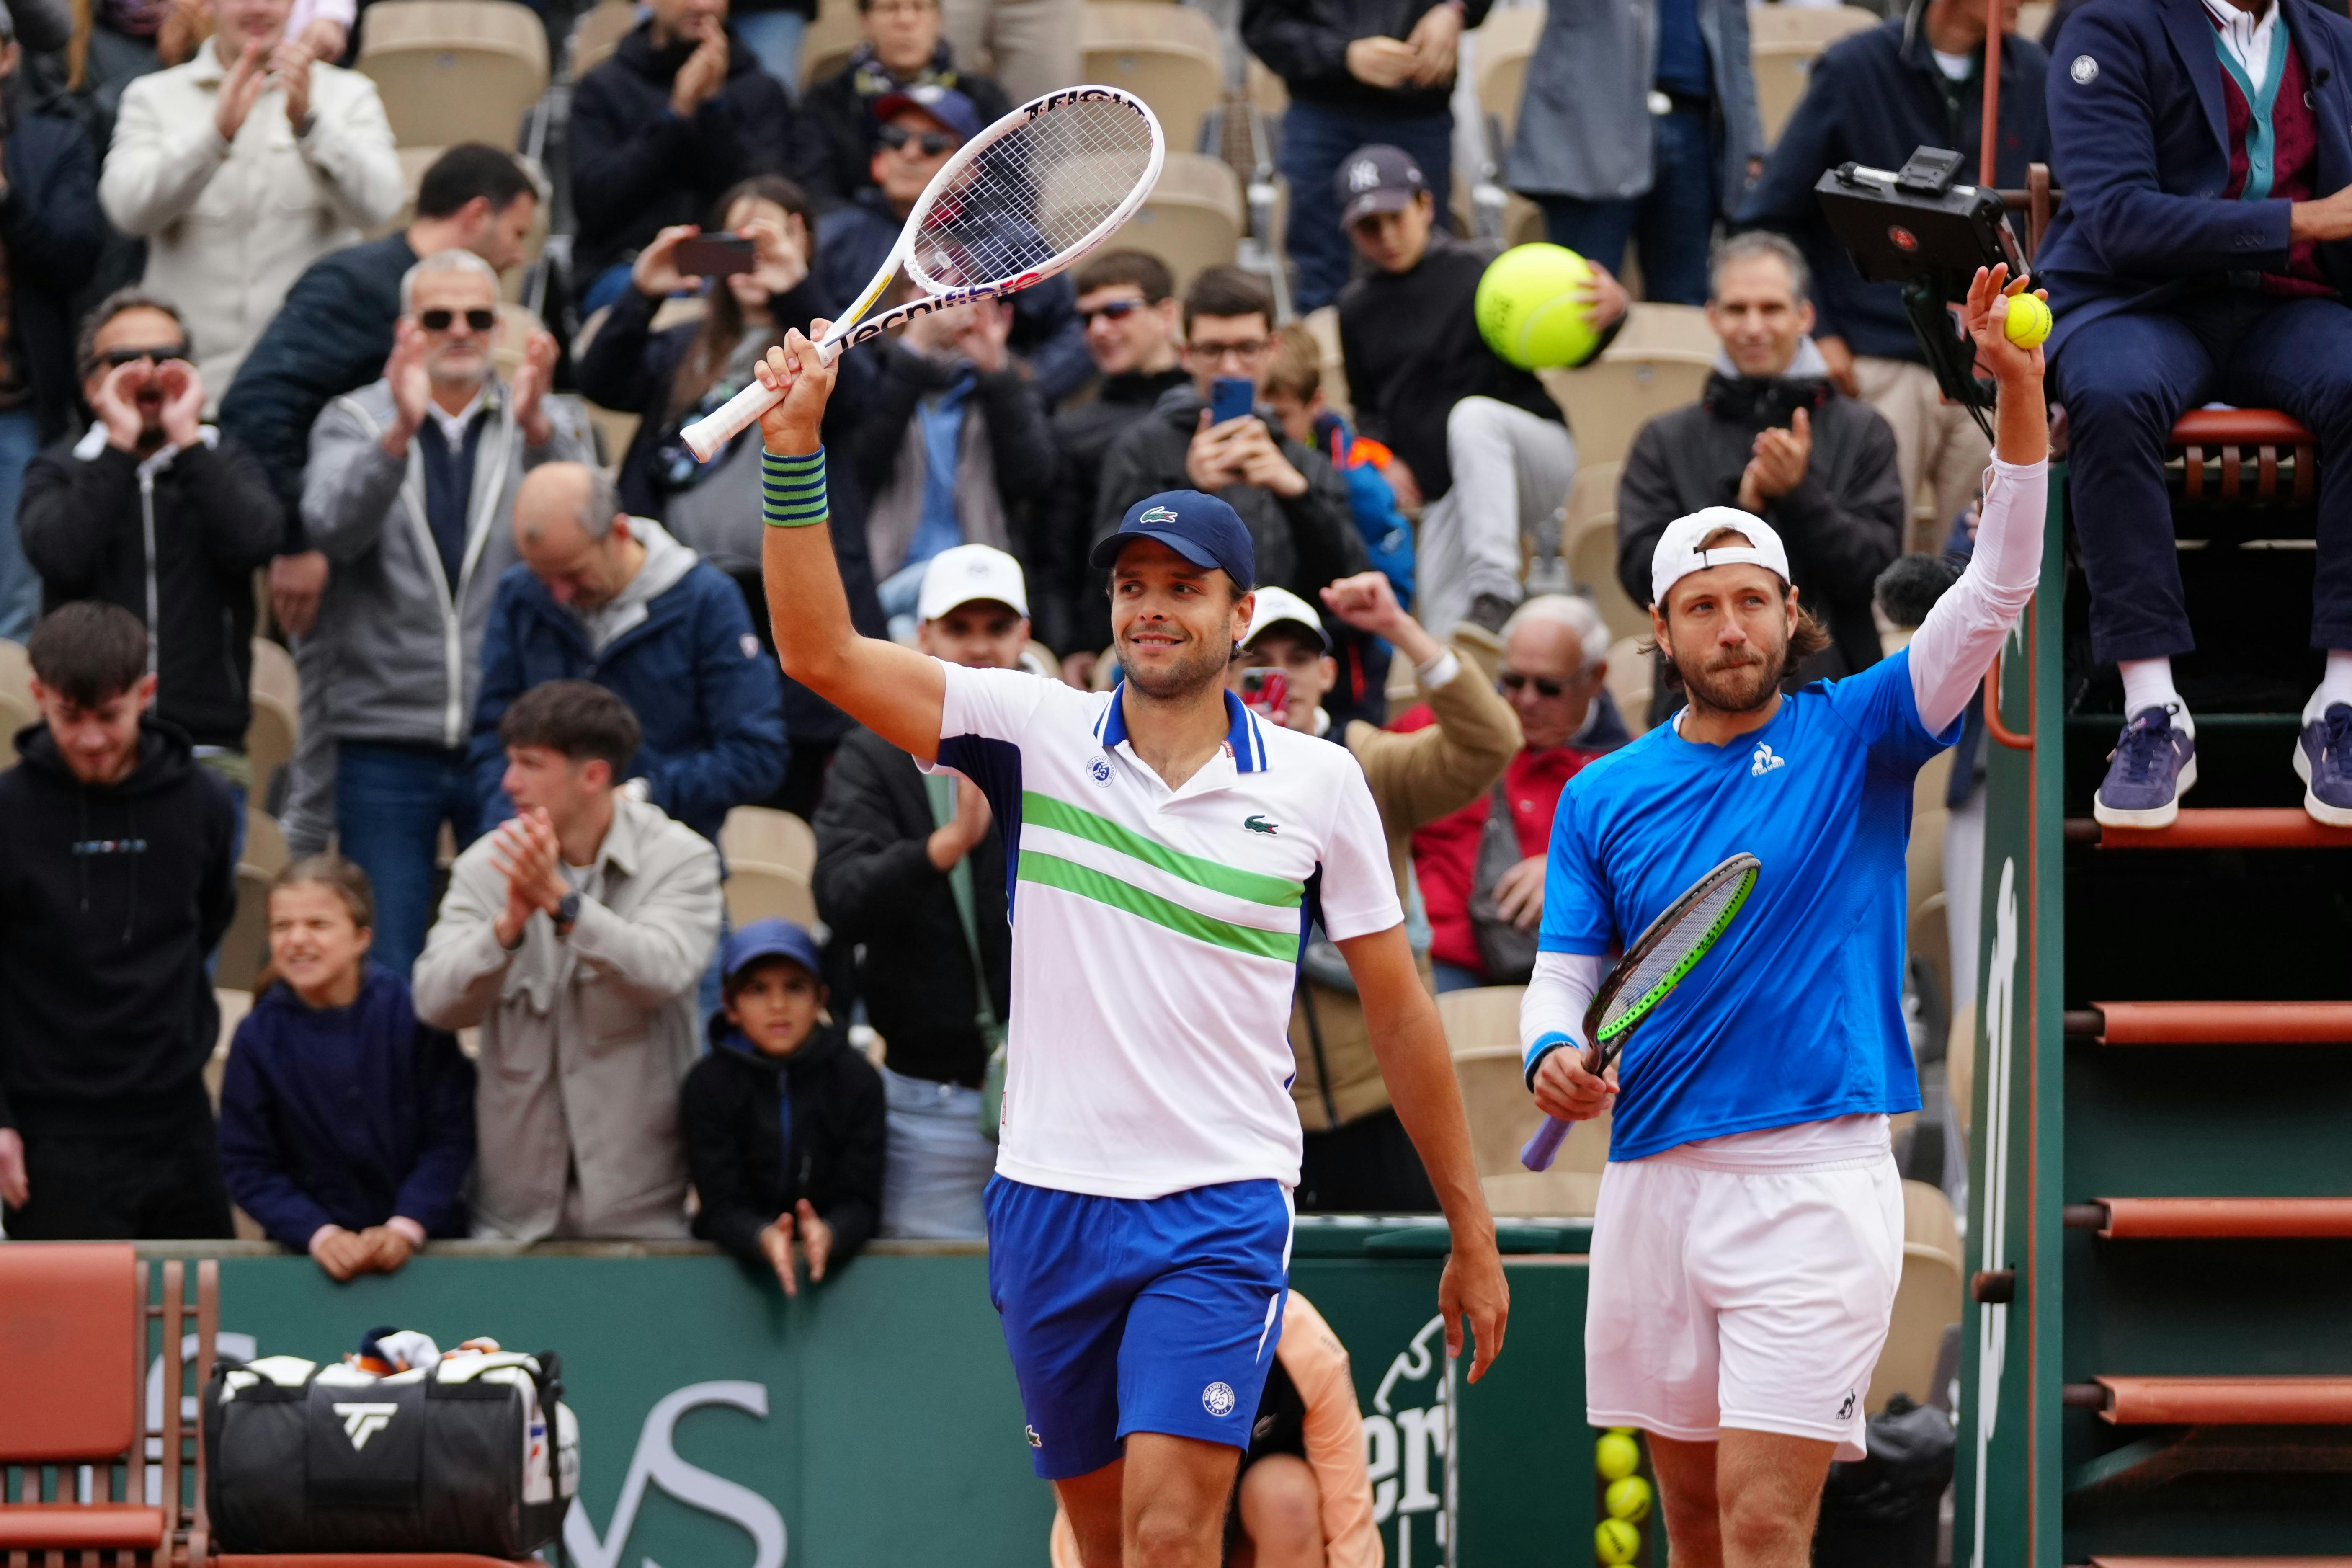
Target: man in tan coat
{"points": [[573, 935], [1356, 1156]]}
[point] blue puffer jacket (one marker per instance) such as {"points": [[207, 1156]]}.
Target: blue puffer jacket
{"points": [[692, 671]]}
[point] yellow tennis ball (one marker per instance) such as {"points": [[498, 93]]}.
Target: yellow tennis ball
{"points": [[1616, 1541], [1616, 1455], [1527, 310], [2029, 321], [1628, 1498]]}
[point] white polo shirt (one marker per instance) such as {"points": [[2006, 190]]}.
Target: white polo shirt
{"points": [[1156, 933]]}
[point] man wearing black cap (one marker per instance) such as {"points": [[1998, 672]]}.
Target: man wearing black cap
{"points": [[1482, 447], [1165, 850]]}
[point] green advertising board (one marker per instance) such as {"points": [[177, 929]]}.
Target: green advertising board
{"points": [[874, 1420]]}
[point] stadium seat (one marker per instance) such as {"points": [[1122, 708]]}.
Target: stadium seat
{"points": [[276, 724], [15, 672], [760, 835], [72, 1384], [597, 32], [1268, 92], [2035, 16], [1659, 361], [1633, 678], [1592, 557], [1503, 1114], [1927, 1300], [1192, 218], [1325, 324], [1783, 41], [1168, 56], [454, 70], [1929, 934], [762, 892], [1555, 1193], [1480, 1018], [245, 947], [1505, 44], [516, 323], [414, 161], [830, 40]]}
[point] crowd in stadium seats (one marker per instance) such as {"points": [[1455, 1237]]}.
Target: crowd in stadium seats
{"points": [[579, 919]]}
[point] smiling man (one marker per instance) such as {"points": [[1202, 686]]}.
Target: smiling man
{"points": [[1748, 1235], [1166, 849]]}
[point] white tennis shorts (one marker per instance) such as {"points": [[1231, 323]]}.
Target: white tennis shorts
{"points": [[1751, 1299]]}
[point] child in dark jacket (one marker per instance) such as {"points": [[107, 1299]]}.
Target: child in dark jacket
{"points": [[346, 1126], [782, 1121]]}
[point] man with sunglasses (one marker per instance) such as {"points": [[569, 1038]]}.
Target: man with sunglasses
{"points": [[1555, 660], [152, 509], [411, 493], [918, 129]]}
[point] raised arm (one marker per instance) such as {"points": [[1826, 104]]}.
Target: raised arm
{"points": [[894, 691], [1957, 640]]}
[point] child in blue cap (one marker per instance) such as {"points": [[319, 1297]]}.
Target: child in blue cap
{"points": [[782, 1121]]}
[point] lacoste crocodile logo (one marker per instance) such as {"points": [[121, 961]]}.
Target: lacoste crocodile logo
{"points": [[1257, 824]]}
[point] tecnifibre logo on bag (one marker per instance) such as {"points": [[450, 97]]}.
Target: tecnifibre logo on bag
{"points": [[362, 1421]]}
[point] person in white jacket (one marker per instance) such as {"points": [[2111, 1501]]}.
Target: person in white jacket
{"points": [[242, 167]]}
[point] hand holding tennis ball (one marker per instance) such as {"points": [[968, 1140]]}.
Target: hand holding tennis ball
{"points": [[1543, 306], [2009, 343]]}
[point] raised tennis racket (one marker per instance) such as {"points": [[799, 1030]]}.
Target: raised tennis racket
{"points": [[1659, 960], [1015, 205]]}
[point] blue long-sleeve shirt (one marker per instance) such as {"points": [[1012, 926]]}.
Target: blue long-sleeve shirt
{"points": [[346, 1116]]}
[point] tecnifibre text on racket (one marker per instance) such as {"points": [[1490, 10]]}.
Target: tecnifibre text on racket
{"points": [[1015, 205], [1659, 960]]}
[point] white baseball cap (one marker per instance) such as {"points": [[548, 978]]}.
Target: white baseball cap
{"points": [[1678, 554], [969, 571], [1276, 604]]}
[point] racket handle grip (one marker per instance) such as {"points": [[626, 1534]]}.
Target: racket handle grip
{"points": [[707, 435], [1545, 1145]]}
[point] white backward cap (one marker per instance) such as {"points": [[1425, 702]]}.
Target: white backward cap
{"points": [[1678, 554], [969, 571], [1274, 605]]}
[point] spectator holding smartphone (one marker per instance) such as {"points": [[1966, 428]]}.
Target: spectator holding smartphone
{"points": [[346, 1126], [782, 1121]]}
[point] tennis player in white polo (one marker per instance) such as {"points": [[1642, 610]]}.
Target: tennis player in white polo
{"points": [[1164, 851], [1749, 1232]]}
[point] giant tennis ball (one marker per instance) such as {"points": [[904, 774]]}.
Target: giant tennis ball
{"points": [[2029, 321], [1616, 1455], [1616, 1541], [1527, 310], [1628, 1498]]}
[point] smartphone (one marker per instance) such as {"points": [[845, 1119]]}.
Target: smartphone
{"points": [[715, 255], [1265, 691], [1231, 398]]}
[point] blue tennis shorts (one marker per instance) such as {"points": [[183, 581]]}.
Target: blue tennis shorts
{"points": [[1137, 1314]]}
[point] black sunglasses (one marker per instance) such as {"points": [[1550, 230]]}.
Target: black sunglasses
{"points": [[1118, 311], [1512, 680], [115, 359], [438, 320], [933, 142]]}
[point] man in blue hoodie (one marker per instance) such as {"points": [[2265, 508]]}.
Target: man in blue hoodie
{"points": [[599, 595]]}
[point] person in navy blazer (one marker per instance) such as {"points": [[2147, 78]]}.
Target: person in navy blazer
{"points": [[2200, 254]]}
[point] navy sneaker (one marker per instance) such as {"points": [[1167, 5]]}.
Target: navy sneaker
{"points": [[2152, 766], [2322, 759]]}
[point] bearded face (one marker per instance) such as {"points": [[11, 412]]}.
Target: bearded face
{"points": [[1727, 631]]}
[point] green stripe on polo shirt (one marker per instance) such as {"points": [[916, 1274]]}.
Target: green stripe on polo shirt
{"points": [[1079, 822], [791, 490], [1053, 871]]}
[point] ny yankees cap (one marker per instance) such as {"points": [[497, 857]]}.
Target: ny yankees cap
{"points": [[1678, 554], [968, 573], [1376, 178], [1201, 528]]}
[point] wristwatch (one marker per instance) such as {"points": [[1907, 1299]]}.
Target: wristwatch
{"points": [[567, 909]]}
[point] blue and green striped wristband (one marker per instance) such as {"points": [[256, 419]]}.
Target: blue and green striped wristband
{"points": [[791, 490]]}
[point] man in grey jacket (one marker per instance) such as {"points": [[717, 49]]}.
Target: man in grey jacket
{"points": [[409, 492], [1640, 124], [572, 936]]}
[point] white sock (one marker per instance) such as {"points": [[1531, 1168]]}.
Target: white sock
{"points": [[2148, 683], [2335, 687]]}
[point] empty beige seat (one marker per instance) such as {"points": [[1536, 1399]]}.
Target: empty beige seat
{"points": [[1591, 556], [830, 38], [15, 671], [276, 723], [1543, 1195], [599, 31], [1927, 1300], [245, 948], [1608, 400], [414, 161], [1481, 1018], [778, 840], [1168, 56], [1268, 92], [1505, 45], [454, 70], [15, 713], [1633, 678], [1194, 216], [1783, 41], [1502, 1113], [760, 893], [2035, 16]]}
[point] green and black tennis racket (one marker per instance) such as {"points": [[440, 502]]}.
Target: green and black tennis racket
{"points": [[1659, 960]]}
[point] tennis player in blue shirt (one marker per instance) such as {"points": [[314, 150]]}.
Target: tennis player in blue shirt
{"points": [[1749, 1232]]}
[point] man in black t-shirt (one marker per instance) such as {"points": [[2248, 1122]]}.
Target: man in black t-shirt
{"points": [[1481, 447]]}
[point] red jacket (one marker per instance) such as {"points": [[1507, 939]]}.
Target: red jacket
{"points": [[1446, 853]]}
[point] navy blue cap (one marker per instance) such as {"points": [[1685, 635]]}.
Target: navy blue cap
{"points": [[769, 939], [1201, 528], [1376, 178], [944, 104]]}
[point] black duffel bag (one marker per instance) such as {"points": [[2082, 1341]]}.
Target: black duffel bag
{"points": [[475, 1454]]}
